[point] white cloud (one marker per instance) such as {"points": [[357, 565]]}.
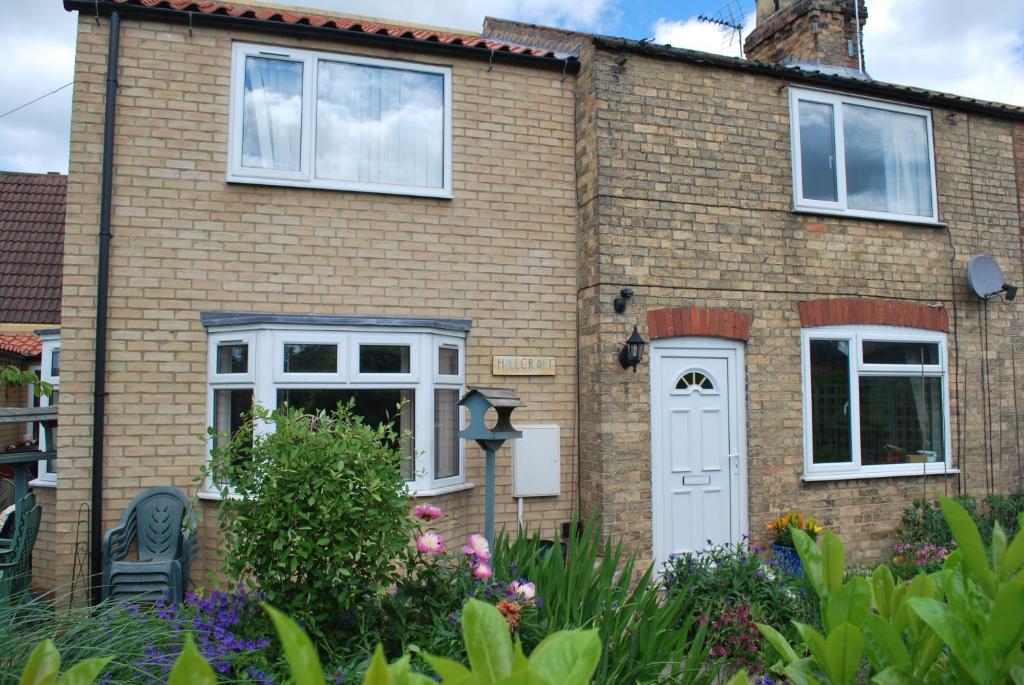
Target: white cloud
{"points": [[972, 49], [695, 34], [38, 54]]}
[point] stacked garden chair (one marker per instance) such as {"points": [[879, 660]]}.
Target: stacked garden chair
{"points": [[16, 551], [159, 526]]}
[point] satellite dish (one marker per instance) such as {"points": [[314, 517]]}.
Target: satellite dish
{"points": [[985, 276]]}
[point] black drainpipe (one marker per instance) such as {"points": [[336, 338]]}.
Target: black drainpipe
{"points": [[99, 396]]}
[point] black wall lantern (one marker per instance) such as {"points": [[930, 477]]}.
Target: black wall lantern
{"points": [[632, 351]]}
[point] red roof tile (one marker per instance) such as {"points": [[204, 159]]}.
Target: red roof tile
{"points": [[25, 345], [31, 246], [346, 24]]}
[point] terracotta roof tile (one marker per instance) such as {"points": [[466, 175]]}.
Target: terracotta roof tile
{"points": [[346, 24], [25, 345], [31, 246]]}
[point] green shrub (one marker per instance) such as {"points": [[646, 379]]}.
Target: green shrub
{"points": [[731, 587], [963, 624], [593, 583], [318, 516], [923, 521]]}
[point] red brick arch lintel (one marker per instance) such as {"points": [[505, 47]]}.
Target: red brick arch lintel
{"points": [[864, 311], [712, 322]]}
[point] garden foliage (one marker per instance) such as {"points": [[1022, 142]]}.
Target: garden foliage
{"points": [[731, 588], [963, 624], [591, 582], [319, 514], [564, 658]]}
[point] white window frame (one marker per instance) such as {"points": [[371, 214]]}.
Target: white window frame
{"points": [[51, 344], [266, 360], [306, 175], [840, 206], [855, 336]]}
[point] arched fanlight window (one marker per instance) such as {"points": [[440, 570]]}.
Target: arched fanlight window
{"points": [[694, 380]]}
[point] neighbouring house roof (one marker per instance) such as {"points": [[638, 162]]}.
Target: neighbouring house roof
{"points": [[804, 73], [31, 246], [23, 345], [424, 37]]}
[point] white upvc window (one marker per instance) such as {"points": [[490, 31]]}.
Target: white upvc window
{"points": [[876, 402], [342, 122], [860, 157], [49, 372], [379, 368]]}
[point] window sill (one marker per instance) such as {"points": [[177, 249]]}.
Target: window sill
{"points": [[888, 473], [214, 495], [894, 219], [410, 191], [42, 483], [437, 492]]}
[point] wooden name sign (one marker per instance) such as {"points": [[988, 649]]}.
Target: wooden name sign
{"points": [[523, 366]]}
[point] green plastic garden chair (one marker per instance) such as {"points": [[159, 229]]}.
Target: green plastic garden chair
{"points": [[9, 519], [16, 559], [159, 524]]}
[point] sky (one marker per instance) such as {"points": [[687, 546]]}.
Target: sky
{"points": [[967, 48]]}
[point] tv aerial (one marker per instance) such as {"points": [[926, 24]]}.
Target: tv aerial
{"points": [[986, 278], [729, 19]]}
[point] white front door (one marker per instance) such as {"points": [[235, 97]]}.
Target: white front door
{"points": [[698, 444]]}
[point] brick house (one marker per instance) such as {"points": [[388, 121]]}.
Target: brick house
{"points": [[273, 239], [796, 237]]}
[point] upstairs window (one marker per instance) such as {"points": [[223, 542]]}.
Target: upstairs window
{"points": [[862, 157], [341, 122]]}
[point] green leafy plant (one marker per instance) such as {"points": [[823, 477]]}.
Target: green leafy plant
{"points": [[591, 582], [963, 624], [564, 658], [43, 668], [18, 378], [316, 512], [730, 586]]}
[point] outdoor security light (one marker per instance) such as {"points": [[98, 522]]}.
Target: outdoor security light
{"points": [[632, 351]]}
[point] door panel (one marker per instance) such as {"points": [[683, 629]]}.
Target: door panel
{"points": [[696, 497]]}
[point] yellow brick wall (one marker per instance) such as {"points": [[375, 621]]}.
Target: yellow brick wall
{"points": [[501, 253]]}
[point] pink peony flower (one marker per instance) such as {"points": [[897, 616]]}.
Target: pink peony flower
{"points": [[430, 543], [526, 590], [427, 512], [478, 547], [482, 571]]}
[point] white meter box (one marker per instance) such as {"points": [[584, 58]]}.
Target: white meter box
{"points": [[537, 462]]}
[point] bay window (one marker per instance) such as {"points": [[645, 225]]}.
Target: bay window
{"points": [[862, 157], [406, 373], [343, 122], [875, 402]]}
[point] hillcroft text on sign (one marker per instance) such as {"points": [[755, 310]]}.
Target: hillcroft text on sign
{"points": [[523, 366]]}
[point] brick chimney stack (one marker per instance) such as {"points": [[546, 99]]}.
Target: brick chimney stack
{"points": [[819, 32]]}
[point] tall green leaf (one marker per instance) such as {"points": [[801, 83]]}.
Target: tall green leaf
{"points": [[776, 640], [810, 555], [190, 668], [303, 659], [884, 645], [964, 646], [568, 657], [848, 603], [845, 647], [833, 560], [968, 539], [488, 643], [84, 672], [43, 665]]}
